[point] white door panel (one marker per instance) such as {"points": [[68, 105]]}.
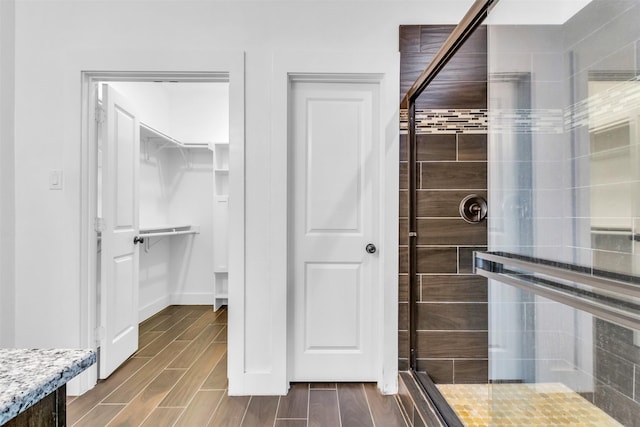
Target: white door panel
{"points": [[119, 257], [332, 307], [333, 167], [334, 170]]}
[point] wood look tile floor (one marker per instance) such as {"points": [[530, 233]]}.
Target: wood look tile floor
{"points": [[178, 377]]}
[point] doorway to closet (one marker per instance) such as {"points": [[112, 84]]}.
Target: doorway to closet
{"points": [[162, 184]]}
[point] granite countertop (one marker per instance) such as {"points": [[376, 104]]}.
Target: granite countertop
{"points": [[26, 376]]}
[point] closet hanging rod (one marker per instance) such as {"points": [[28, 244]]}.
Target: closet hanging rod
{"points": [[169, 233], [471, 20]]}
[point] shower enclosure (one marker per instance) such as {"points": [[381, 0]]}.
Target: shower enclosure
{"points": [[529, 316]]}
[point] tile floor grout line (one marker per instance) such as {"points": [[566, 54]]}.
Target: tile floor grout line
{"points": [[244, 414], [151, 379], [366, 398], [198, 389], [215, 410], [339, 411], [275, 417], [308, 402], [101, 401], [403, 413]]}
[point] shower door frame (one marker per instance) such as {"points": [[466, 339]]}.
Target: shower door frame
{"points": [[474, 17]]}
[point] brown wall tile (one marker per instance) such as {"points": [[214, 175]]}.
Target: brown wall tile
{"points": [[412, 65], [403, 316], [403, 259], [449, 344], [433, 203], [436, 147], [470, 371], [454, 288], [465, 258], [613, 402], [409, 38], [404, 204], [403, 343], [403, 292], [472, 147], [453, 94], [437, 260], [404, 176], [433, 36], [451, 232], [469, 67], [404, 156], [440, 371], [403, 230], [451, 316], [454, 175]]}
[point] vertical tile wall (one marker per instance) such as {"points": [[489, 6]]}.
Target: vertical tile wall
{"points": [[451, 313]]}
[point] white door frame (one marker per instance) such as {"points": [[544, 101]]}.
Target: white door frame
{"points": [[232, 71], [383, 69]]}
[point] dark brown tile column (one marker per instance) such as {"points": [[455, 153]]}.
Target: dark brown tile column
{"points": [[451, 313]]}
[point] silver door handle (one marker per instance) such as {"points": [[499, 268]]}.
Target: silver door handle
{"points": [[371, 248]]}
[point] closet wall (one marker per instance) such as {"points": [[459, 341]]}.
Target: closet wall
{"points": [[177, 188]]}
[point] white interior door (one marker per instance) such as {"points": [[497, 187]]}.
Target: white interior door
{"points": [[119, 258], [334, 216]]}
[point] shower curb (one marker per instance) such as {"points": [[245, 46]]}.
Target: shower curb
{"points": [[417, 407]]}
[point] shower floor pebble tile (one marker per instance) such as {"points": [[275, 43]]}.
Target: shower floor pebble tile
{"points": [[549, 404]]}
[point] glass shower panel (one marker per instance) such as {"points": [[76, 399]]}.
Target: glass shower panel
{"points": [[564, 220]]}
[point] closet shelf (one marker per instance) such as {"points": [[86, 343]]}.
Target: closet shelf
{"points": [[169, 230], [150, 134]]}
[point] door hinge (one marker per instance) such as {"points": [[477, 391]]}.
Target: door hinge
{"points": [[98, 225], [99, 333], [100, 114]]}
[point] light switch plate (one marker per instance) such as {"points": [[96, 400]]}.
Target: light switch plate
{"points": [[55, 179]]}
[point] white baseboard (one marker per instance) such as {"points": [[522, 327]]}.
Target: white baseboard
{"points": [[185, 298], [153, 307], [192, 298]]}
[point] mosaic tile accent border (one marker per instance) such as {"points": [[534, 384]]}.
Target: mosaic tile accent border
{"points": [[543, 121], [430, 121], [481, 121], [605, 107]]}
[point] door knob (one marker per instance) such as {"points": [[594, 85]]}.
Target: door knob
{"points": [[370, 248], [138, 239]]}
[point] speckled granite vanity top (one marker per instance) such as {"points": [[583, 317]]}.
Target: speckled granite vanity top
{"points": [[26, 376]]}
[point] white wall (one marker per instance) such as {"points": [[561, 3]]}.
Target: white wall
{"points": [[199, 111], [56, 40], [192, 203], [151, 101], [7, 182], [155, 254]]}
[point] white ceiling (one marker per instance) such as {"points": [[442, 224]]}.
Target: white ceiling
{"points": [[534, 12]]}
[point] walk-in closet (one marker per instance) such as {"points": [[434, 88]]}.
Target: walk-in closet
{"points": [[178, 189]]}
